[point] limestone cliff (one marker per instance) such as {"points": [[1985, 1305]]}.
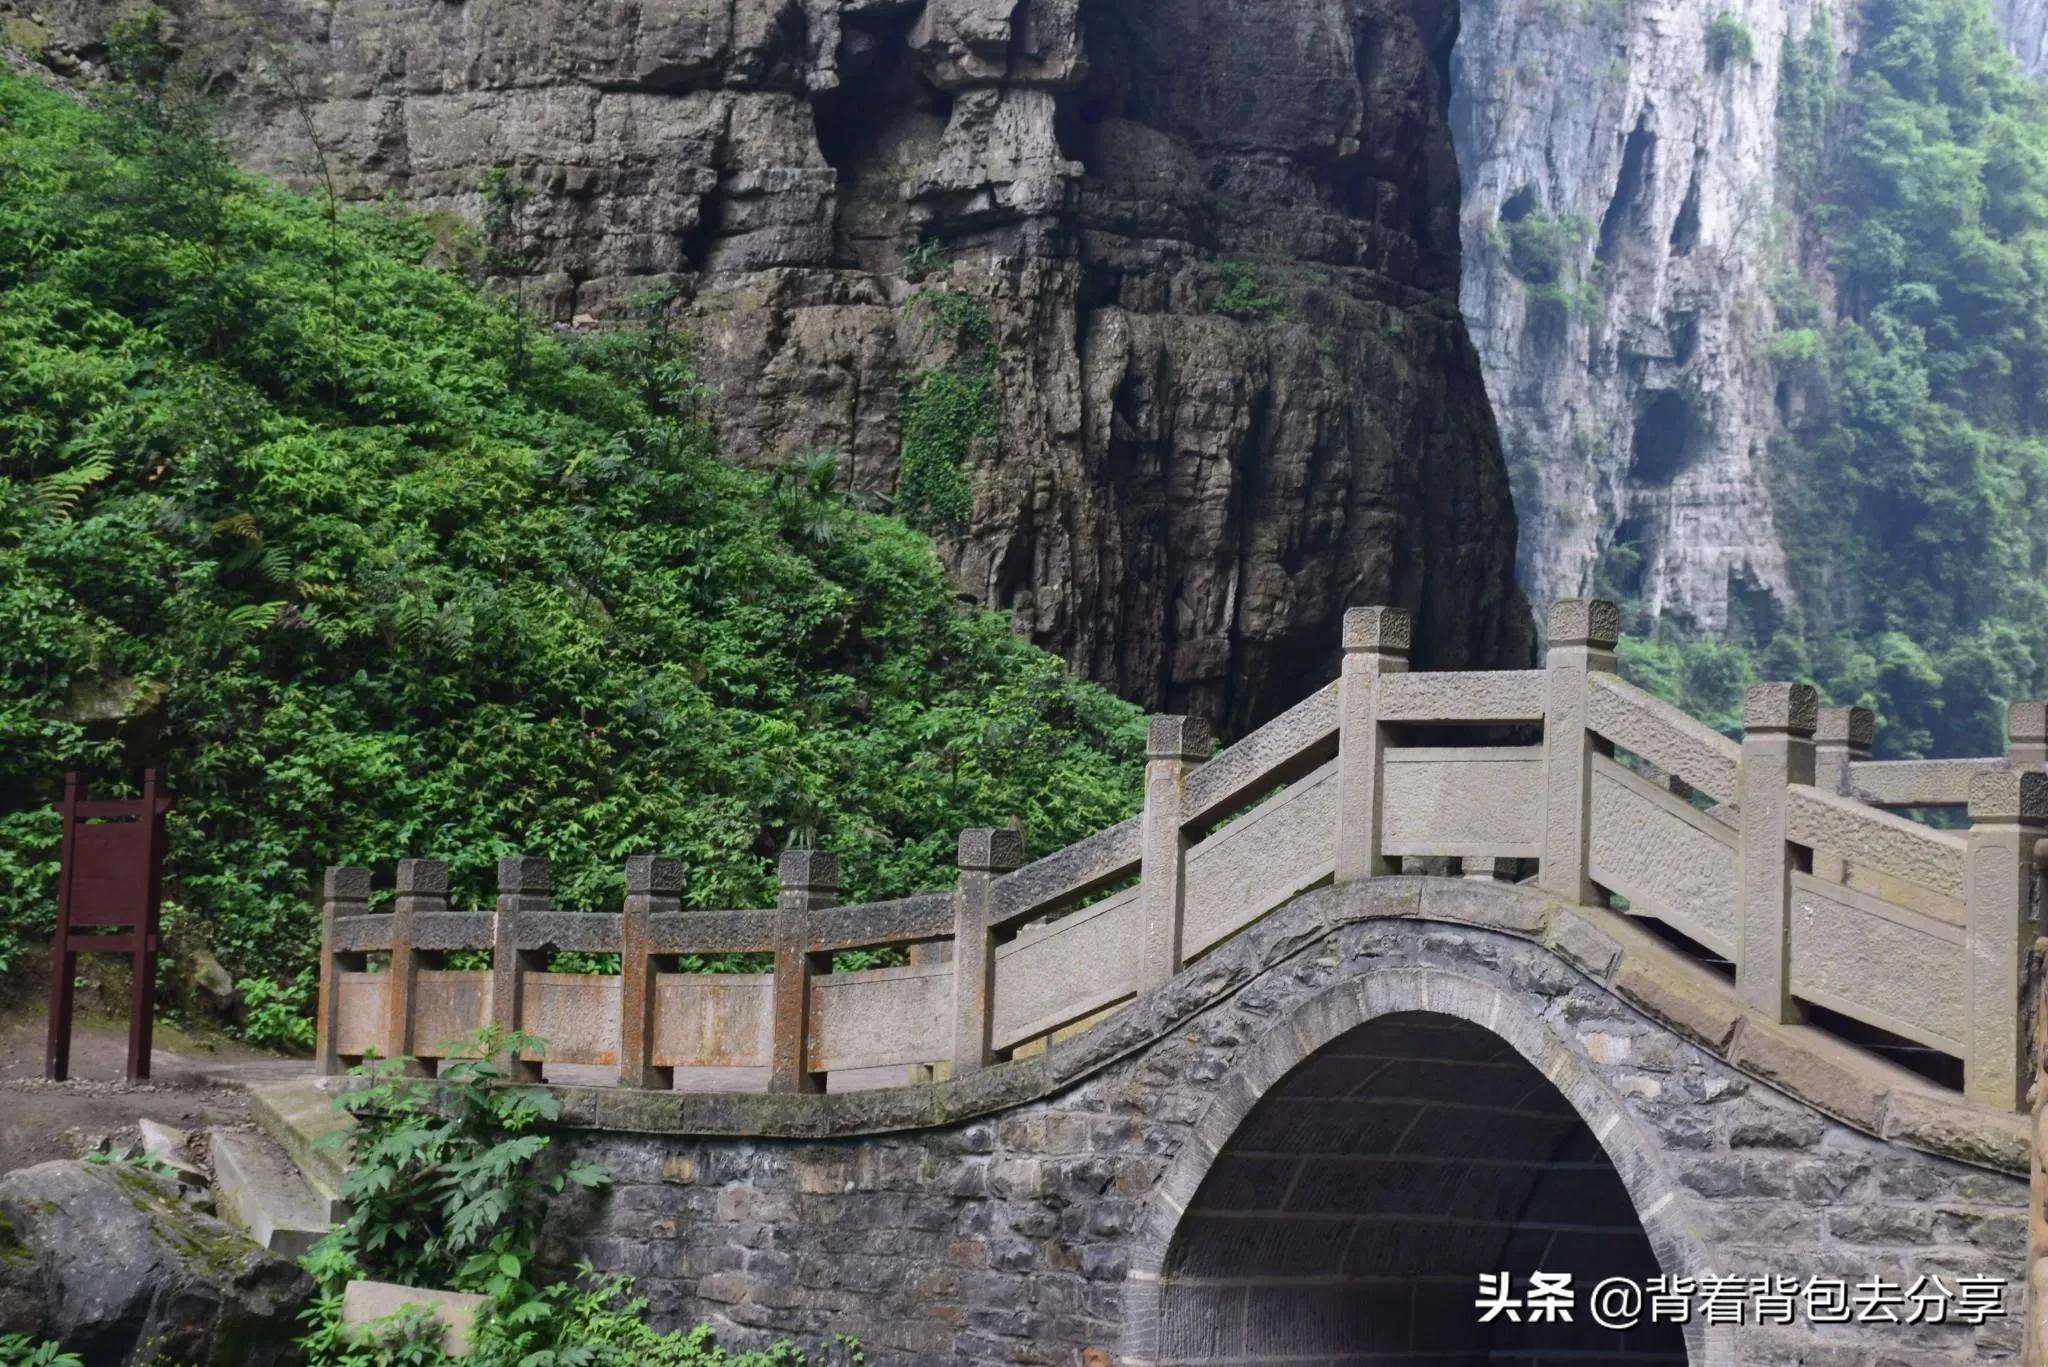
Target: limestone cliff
{"points": [[1622, 230], [1214, 242]]}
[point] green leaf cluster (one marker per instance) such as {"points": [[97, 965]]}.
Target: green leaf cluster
{"points": [[1729, 41], [946, 411], [1240, 291], [374, 567]]}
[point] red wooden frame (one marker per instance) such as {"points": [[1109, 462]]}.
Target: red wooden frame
{"points": [[110, 892]]}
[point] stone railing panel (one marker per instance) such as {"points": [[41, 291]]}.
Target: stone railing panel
{"points": [[1479, 697], [1916, 782], [712, 932], [712, 1020], [588, 932], [1052, 975], [577, 1014], [1641, 724], [1904, 849], [1270, 855], [449, 1006], [879, 1017], [446, 930], [1067, 875], [1277, 754], [364, 934], [1669, 859], [360, 1011], [907, 920], [1478, 802], [1879, 963]]}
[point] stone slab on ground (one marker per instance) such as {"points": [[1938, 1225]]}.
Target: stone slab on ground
{"points": [[300, 1118], [362, 1302], [257, 1188]]}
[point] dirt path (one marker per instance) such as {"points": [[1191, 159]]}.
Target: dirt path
{"points": [[196, 1082]]}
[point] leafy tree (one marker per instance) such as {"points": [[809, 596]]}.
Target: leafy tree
{"points": [[386, 570]]}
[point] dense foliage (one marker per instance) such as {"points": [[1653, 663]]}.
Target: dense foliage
{"points": [[375, 568], [447, 1186], [1913, 494]]}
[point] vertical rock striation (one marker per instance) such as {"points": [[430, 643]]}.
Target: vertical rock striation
{"points": [[1215, 242]]}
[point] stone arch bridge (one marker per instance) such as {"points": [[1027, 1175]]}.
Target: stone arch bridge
{"points": [[1435, 976]]}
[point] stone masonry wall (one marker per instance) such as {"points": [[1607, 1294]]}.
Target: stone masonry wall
{"points": [[1046, 1233]]}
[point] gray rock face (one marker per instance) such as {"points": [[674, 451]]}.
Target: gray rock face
{"points": [[109, 1262], [1179, 499], [1640, 412]]}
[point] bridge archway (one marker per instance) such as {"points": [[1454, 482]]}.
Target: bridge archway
{"points": [[1379, 1150]]}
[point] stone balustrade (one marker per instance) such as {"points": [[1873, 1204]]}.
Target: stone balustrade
{"points": [[1784, 855]]}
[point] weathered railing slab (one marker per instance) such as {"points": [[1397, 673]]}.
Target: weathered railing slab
{"points": [[577, 1014], [449, 1006], [1670, 860], [1905, 849], [1916, 782], [1278, 753], [1064, 877], [360, 1010], [1476, 802], [879, 1016], [1476, 697], [713, 1020], [1879, 963], [712, 932], [1052, 975], [1268, 856], [1691, 750]]}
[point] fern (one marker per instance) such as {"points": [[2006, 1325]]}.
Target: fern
{"points": [[60, 492]]}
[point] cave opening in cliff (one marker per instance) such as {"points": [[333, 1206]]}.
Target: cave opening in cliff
{"points": [[881, 122], [1667, 439], [1685, 232], [1638, 167]]}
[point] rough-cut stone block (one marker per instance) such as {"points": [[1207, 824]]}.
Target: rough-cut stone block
{"points": [[1387, 630], [2010, 795], [1969, 1134], [345, 883], [1584, 944], [1669, 994], [1471, 901], [653, 875], [1855, 727], [1793, 707], [523, 874], [1178, 738], [810, 870], [1584, 622], [1844, 1087], [991, 850], [422, 878], [2027, 720]]}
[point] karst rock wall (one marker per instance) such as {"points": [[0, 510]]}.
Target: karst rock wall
{"points": [[1180, 499]]}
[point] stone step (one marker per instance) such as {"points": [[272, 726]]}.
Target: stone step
{"points": [[256, 1186], [300, 1118]]}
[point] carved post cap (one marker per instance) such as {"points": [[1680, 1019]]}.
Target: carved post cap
{"points": [[345, 883], [1855, 727], [2009, 797], [2027, 721], [991, 850], [1793, 707], [653, 874], [1389, 631], [1177, 738], [808, 871], [523, 874], [422, 878], [1585, 622]]}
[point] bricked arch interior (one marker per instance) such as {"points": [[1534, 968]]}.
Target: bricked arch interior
{"points": [[1349, 1214]]}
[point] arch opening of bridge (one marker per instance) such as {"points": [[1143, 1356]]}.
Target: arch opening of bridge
{"points": [[1350, 1214]]}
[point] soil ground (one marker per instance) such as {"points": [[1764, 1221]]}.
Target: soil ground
{"points": [[196, 1081]]}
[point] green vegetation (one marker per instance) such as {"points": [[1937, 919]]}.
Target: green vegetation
{"points": [[1729, 41], [374, 568], [1239, 290], [19, 1350], [927, 256], [1806, 99], [946, 411], [447, 1188], [1917, 514], [1540, 248]]}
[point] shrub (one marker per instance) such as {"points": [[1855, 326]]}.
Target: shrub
{"points": [[1239, 292], [1729, 40]]}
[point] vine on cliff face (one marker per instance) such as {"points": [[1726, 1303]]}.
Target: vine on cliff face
{"points": [[945, 411]]}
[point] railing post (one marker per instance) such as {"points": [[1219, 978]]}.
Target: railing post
{"points": [[1174, 748], [344, 891], [422, 890], [984, 855], [653, 887], [809, 882], [1583, 633], [1841, 737], [1778, 721], [1376, 642], [523, 885], [2008, 814], [2026, 734]]}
